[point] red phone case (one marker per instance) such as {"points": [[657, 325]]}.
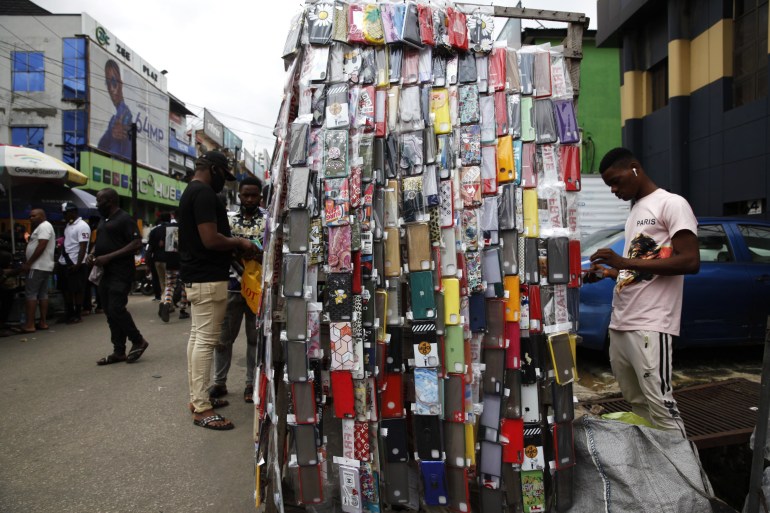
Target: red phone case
{"points": [[535, 310], [342, 392], [575, 276], [356, 285], [569, 162], [392, 399], [513, 349], [512, 439], [463, 269]]}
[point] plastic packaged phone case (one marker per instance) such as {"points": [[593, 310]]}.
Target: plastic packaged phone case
{"points": [[296, 361], [541, 86], [439, 107], [501, 114], [545, 123], [409, 111], [395, 310], [468, 95], [337, 106], [425, 24], [319, 22], [566, 122], [488, 170], [336, 153], [514, 115], [466, 68], [506, 207], [426, 391], [293, 276], [454, 105], [298, 145], [298, 227], [298, 187], [531, 222], [413, 202], [531, 263], [470, 145], [510, 251], [471, 186], [444, 155], [430, 183], [339, 257], [569, 166], [526, 71], [480, 27], [336, 202], [488, 120], [558, 260], [470, 229], [411, 152], [489, 220], [296, 318], [447, 204], [512, 80], [527, 119], [391, 213], [457, 29]]}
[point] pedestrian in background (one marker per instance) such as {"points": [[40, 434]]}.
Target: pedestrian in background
{"points": [[38, 267], [661, 246], [249, 224], [206, 248], [72, 273], [155, 255], [117, 240], [171, 248]]}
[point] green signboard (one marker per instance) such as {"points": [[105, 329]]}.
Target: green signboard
{"points": [[105, 172]]}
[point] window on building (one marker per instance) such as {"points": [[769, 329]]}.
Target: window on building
{"points": [[74, 134], [28, 71], [29, 136], [749, 51], [74, 68], [659, 82]]}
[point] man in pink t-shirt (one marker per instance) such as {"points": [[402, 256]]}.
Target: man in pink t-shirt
{"points": [[661, 247]]}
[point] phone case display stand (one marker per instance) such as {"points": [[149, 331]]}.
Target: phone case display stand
{"points": [[422, 265]]}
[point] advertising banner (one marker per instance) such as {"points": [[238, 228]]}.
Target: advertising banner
{"points": [[233, 143], [213, 128], [120, 96], [105, 172]]}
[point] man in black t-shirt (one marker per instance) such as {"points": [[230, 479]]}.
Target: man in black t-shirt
{"points": [[117, 240], [205, 251]]}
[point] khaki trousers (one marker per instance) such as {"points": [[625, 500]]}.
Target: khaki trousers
{"points": [[641, 363], [208, 302]]}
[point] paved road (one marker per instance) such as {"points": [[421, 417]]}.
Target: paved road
{"points": [[80, 438]]}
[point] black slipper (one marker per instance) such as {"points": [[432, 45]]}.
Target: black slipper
{"points": [[206, 423], [112, 358], [137, 352]]}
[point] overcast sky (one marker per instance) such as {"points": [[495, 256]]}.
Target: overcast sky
{"points": [[226, 55]]}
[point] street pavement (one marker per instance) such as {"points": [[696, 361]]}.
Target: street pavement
{"points": [[80, 438]]}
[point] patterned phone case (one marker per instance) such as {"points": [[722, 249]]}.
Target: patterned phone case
{"points": [[339, 257], [471, 186], [470, 229], [447, 204], [412, 199], [470, 145], [338, 297], [336, 153]]}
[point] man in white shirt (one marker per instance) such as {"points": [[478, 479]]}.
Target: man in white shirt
{"points": [[39, 266], [72, 272]]}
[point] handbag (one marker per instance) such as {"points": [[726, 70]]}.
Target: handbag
{"points": [[251, 284], [95, 276]]}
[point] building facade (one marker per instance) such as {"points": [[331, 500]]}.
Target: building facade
{"points": [[694, 102], [70, 88]]}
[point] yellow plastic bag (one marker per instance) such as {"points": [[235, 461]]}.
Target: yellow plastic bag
{"points": [[251, 284], [627, 417]]}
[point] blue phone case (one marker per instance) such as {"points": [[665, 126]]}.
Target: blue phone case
{"points": [[434, 483], [478, 310]]}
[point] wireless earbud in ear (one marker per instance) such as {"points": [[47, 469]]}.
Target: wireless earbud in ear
{"points": [[634, 170]]}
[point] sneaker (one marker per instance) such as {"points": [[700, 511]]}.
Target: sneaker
{"points": [[164, 311], [183, 314]]}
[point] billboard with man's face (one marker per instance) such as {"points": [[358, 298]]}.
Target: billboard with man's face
{"points": [[118, 97]]}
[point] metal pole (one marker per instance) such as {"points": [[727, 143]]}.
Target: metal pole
{"points": [[760, 435], [134, 206]]}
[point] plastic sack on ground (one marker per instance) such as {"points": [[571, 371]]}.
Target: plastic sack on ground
{"points": [[635, 469], [627, 417]]}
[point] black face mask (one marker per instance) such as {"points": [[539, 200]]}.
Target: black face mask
{"points": [[217, 181], [249, 211]]}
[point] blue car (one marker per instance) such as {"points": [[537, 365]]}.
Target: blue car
{"points": [[726, 303]]}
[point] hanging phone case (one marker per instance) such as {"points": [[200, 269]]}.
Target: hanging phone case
{"points": [[392, 398], [425, 344], [488, 170], [454, 349], [454, 440], [510, 251], [394, 438], [339, 258], [512, 79], [298, 224], [430, 179], [444, 155], [569, 167], [506, 207], [457, 482], [418, 245], [439, 108], [303, 397], [489, 421], [512, 393], [530, 408], [468, 95], [512, 302], [410, 66], [372, 25], [423, 302], [526, 64], [469, 223], [310, 484], [448, 253], [472, 273], [342, 353], [451, 288], [381, 312], [413, 201], [492, 271], [531, 262], [391, 204], [566, 122], [471, 186], [427, 437], [426, 392], [342, 394], [454, 101], [296, 319], [338, 297], [494, 336], [502, 122], [336, 153], [392, 252], [440, 315], [512, 440], [470, 145], [395, 312], [531, 228], [545, 124], [298, 144], [296, 361], [558, 260], [541, 83], [493, 376], [505, 166], [563, 403], [535, 310], [466, 68], [491, 464], [575, 265], [298, 187], [488, 121], [512, 334], [319, 22], [434, 483], [446, 195], [531, 360], [337, 106], [561, 358], [527, 119], [293, 276], [478, 313]]}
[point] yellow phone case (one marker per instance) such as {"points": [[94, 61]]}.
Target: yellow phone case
{"points": [[513, 302], [439, 110], [529, 207], [505, 165], [451, 300], [470, 444]]}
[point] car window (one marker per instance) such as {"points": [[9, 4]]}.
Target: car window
{"points": [[600, 239], [758, 241], [713, 244]]}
